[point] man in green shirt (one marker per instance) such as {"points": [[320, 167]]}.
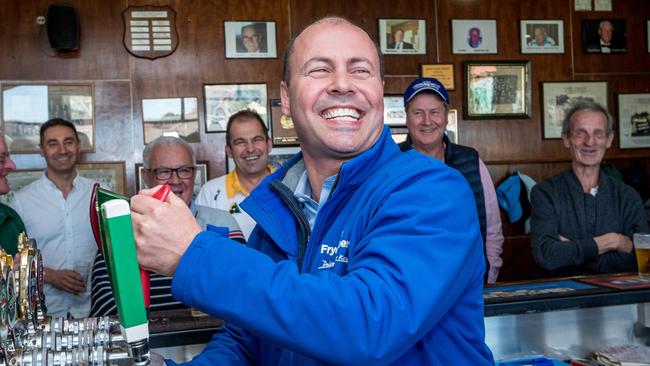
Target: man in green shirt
{"points": [[10, 223]]}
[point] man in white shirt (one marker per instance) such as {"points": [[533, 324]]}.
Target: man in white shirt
{"points": [[249, 145], [55, 212]]}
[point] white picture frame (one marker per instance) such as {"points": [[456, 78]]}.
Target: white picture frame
{"points": [[541, 36], [474, 36], [559, 96], [414, 36], [394, 112], [633, 120], [242, 36]]}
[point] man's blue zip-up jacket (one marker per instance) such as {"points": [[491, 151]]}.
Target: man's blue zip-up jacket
{"points": [[392, 272]]}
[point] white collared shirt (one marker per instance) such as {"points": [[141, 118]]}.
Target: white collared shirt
{"points": [[61, 228]]}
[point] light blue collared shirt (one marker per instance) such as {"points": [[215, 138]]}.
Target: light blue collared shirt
{"points": [[302, 193]]}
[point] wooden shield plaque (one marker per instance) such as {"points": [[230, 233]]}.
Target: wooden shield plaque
{"points": [[150, 31]]}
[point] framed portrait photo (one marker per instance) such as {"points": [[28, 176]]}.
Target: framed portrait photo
{"points": [[474, 36], [202, 174], [161, 115], [250, 39], [542, 36], [394, 113], [604, 36], [283, 132], [403, 36], [559, 96], [224, 100], [497, 90], [443, 72], [26, 107], [633, 120], [110, 175]]}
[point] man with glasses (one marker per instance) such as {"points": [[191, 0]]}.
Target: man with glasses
{"points": [[10, 223], [167, 160], [582, 221]]}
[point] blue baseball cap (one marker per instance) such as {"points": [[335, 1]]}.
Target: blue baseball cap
{"points": [[425, 84], [508, 196]]}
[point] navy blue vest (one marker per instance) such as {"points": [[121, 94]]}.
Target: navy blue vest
{"points": [[465, 160]]}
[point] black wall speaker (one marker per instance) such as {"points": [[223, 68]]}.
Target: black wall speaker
{"points": [[63, 27]]}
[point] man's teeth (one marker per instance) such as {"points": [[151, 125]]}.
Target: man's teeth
{"points": [[341, 114], [250, 158]]}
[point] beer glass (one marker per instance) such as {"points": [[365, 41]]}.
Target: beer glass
{"points": [[642, 250]]}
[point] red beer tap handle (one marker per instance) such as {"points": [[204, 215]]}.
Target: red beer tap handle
{"points": [[160, 195]]}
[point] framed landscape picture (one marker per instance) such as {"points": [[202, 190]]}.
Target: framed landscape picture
{"points": [[633, 120], [394, 113], [559, 96], [224, 100], [497, 90], [25, 107], [163, 115]]}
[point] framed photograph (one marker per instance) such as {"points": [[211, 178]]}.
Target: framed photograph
{"points": [[26, 107], [497, 90], [110, 175], [399, 134], [541, 36], [603, 36], [283, 133], [277, 157], [202, 174], [442, 72], [19, 179], [558, 97], [474, 36], [647, 35], [403, 36], [178, 115], [250, 39], [223, 100], [452, 125], [394, 112], [633, 120]]}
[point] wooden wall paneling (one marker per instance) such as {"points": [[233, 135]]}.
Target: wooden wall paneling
{"points": [[399, 69], [635, 13], [31, 57]]}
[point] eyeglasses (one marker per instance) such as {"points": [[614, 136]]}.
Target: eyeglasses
{"points": [[184, 172]]}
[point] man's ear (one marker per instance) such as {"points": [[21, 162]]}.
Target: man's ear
{"points": [[228, 151], [284, 98]]}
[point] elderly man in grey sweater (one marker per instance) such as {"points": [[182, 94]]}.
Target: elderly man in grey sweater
{"points": [[582, 221]]}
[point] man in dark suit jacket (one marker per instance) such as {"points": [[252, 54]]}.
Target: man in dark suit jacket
{"points": [[399, 43], [605, 43]]}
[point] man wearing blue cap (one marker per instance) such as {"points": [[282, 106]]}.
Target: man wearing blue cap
{"points": [[583, 221], [427, 103]]}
